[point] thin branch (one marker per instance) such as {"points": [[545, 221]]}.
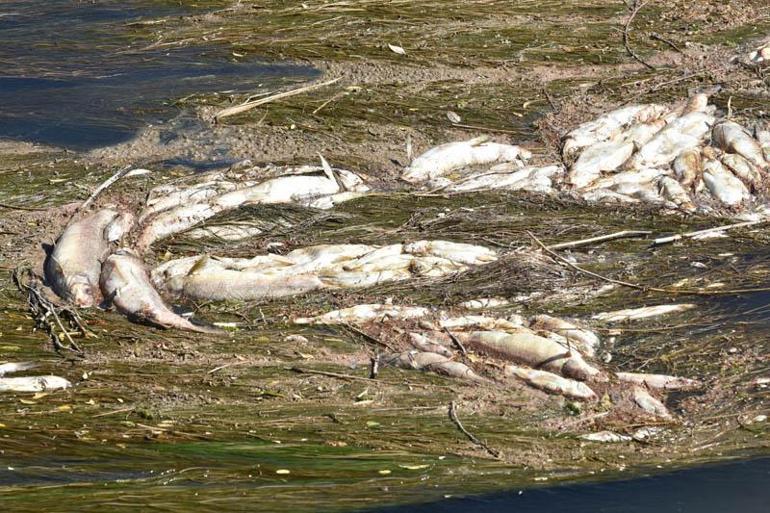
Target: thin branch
{"points": [[627, 31], [689, 235], [455, 419], [625, 234]]}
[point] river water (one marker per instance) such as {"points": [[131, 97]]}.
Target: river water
{"points": [[82, 74]]}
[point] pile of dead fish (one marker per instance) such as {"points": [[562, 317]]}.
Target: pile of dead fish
{"points": [[683, 157], [87, 268], [557, 356]]}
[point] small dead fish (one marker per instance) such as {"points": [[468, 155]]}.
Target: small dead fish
{"points": [[448, 157], [723, 185], [683, 133], [648, 403], [433, 362], [551, 383], [673, 191], [607, 126], [645, 312], [583, 339], [13, 367], [33, 384], [607, 196], [688, 167], [482, 322], [660, 381], [531, 179], [743, 169], [72, 268], [468, 254], [126, 284], [218, 284], [360, 314], [428, 345], [732, 137], [605, 437], [484, 302]]}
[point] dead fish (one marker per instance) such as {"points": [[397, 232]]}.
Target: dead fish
{"points": [[366, 313], [625, 178], [723, 185], [433, 362], [688, 167], [645, 192], [165, 198], [551, 383], [468, 254], [607, 196], [125, 283], [642, 133], [72, 268], [526, 178], [743, 169], [352, 280], [660, 381], [599, 158], [645, 312], [13, 367], [33, 384], [732, 137], [449, 157], [673, 191], [607, 126], [482, 322], [524, 346], [323, 255], [218, 284], [683, 133], [229, 232], [484, 302], [648, 403], [332, 200], [428, 345], [174, 220], [584, 340], [605, 437]]}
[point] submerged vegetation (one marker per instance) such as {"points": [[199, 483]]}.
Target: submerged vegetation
{"points": [[282, 414]]}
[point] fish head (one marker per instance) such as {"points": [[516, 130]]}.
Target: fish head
{"points": [[82, 294]]}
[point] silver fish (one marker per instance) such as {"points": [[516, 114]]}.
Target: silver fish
{"points": [[732, 137], [125, 283], [72, 269]]}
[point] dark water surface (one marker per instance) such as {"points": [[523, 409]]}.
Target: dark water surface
{"points": [[732, 487], [85, 74]]}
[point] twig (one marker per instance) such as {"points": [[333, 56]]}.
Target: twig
{"points": [[625, 234], [351, 377], [114, 412], [689, 235], [679, 292], [662, 39], [453, 417], [103, 187], [456, 341], [17, 207], [246, 106], [368, 337], [627, 30]]}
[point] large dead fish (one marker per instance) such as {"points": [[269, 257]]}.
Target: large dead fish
{"points": [[532, 179], [72, 268], [524, 346], [745, 170], [33, 384], [732, 137], [125, 283], [599, 158], [551, 383], [468, 254], [449, 157]]}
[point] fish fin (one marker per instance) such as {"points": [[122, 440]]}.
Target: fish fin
{"points": [[198, 265]]}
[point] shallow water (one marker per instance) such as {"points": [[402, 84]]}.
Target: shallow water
{"points": [[84, 74]]}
